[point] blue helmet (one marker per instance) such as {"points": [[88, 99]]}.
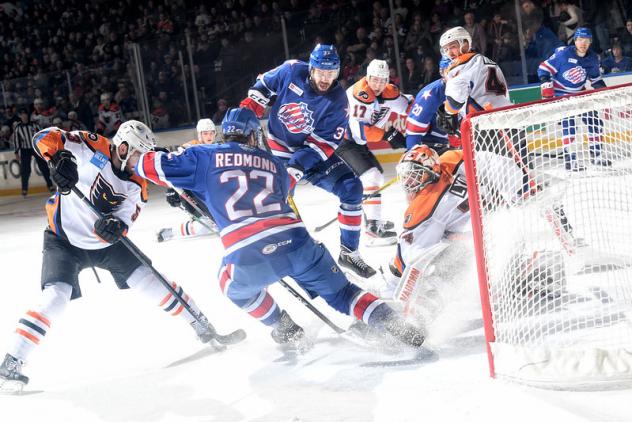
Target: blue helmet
{"points": [[582, 32], [325, 57], [241, 122]]}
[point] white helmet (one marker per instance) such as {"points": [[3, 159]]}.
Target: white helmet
{"points": [[137, 136], [378, 69], [418, 168], [458, 33], [205, 125]]}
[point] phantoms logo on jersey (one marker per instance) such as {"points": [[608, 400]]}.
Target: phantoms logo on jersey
{"points": [[102, 195], [575, 75], [296, 118]]}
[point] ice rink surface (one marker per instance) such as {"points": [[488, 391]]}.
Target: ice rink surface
{"points": [[114, 357]]}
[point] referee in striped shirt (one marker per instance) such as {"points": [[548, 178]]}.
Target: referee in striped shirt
{"points": [[22, 137]]}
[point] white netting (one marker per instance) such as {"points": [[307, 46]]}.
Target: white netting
{"points": [[554, 185]]}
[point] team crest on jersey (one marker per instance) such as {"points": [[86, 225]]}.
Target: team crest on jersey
{"points": [[102, 195], [296, 117], [364, 95], [575, 75]]}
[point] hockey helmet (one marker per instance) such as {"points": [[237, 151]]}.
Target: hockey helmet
{"points": [[241, 122], [458, 33], [582, 32], [325, 57], [137, 136], [205, 125], [378, 69], [418, 168]]}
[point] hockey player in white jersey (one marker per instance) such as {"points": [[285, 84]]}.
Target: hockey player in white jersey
{"points": [[198, 224], [377, 111], [473, 82], [76, 239]]}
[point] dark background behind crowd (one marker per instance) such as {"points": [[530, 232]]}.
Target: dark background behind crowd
{"points": [[69, 63]]}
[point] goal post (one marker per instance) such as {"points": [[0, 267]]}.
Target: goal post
{"points": [[550, 191]]}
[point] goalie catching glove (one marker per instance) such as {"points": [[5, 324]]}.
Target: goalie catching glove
{"points": [[63, 166], [110, 228]]}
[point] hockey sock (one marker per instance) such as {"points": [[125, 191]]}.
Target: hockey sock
{"points": [[191, 228], [144, 282], [36, 322], [372, 180], [353, 301], [350, 221]]}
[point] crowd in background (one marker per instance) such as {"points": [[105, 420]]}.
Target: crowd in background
{"points": [[68, 62]]}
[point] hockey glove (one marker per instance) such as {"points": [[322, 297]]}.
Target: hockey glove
{"points": [[546, 88], [395, 139], [110, 228], [173, 198], [64, 172], [449, 123], [296, 174], [455, 141]]}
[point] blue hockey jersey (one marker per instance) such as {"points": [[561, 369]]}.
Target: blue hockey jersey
{"points": [[303, 127], [569, 72], [421, 123], [245, 190]]}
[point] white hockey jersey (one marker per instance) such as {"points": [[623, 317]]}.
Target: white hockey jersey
{"points": [[68, 216], [109, 119], [474, 83], [370, 117], [442, 208]]}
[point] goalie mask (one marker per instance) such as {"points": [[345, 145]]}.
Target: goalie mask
{"points": [[418, 168], [137, 136]]}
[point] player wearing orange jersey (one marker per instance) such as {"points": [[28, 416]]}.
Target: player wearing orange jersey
{"points": [[377, 111], [76, 239], [198, 224]]}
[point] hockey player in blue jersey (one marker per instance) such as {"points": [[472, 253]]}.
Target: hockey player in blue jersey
{"points": [[307, 121], [421, 124], [245, 189], [566, 72]]}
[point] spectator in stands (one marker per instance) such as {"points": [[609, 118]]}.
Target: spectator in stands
{"points": [[570, 19], [10, 118], [541, 43], [74, 123], [222, 108], [361, 43], [42, 115], [430, 71], [159, 115], [625, 38], [477, 32], [84, 114], [22, 137], [110, 116], [617, 62], [411, 78], [5, 138], [531, 14], [497, 29]]}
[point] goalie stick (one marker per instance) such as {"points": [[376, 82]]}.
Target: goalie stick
{"points": [[364, 198], [230, 338]]}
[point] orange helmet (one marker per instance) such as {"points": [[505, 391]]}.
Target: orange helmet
{"points": [[418, 168]]}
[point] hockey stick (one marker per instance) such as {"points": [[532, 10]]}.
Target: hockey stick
{"points": [[311, 307], [191, 201], [230, 338], [364, 198]]}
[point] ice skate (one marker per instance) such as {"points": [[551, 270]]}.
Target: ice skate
{"points": [[378, 235], [11, 379], [164, 234], [352, 260], [404, 332], [289, 334]]}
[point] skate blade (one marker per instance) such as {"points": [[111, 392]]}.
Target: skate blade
{"points": [[10, 387], [377, 242]]}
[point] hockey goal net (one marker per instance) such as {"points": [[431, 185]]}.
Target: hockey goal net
{"points": [[550, 187]]}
